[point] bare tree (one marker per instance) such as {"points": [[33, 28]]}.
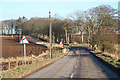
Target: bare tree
{"points": [[79, 22]]}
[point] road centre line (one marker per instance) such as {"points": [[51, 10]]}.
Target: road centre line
{"points": [[76, 66], [71, 75]]}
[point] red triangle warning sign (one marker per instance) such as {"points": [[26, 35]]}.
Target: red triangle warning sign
{"points": [[61, 43], [24, 40]]}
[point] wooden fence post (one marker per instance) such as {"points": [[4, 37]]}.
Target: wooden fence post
{"points": [[32, 58], [22, 61], [17, 62], [36, 60], [42, 58], [28, 60], [8, 63]]}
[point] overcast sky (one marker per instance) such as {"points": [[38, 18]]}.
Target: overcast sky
{"points": [[13, 9]]}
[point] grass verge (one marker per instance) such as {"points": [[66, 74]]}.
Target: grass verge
{"points": [[29, 69], [110, 62]]}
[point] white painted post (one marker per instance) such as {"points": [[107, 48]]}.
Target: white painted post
{"points": [[82, 37], [25, 54]]}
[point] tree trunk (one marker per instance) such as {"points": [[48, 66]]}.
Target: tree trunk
{"points": [[8, 29], [66, 35], [68, 40], [89, 35], [4, 29], [82, 36]]}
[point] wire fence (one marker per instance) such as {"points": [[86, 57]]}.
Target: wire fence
{"points": [[13, 63]]}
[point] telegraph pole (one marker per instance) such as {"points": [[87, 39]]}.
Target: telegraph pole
{"points": [[66, 35], [50, 35]]}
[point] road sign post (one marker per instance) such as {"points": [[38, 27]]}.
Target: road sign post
{"points": [[25, 54], [24, 41]]}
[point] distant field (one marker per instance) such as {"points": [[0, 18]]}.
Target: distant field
{"points": [[12, 48]]}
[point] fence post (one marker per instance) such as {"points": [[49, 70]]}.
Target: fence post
{"points": [[22, 61], [36, 59], [8, 63], [42, 58], [32, 58], [17, 62], [29, 60]]}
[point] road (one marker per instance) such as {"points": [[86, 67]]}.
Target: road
{"points": [[79, 63]]}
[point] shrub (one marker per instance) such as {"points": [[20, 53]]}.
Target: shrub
{"points": [[109, 47], [105, 38]]}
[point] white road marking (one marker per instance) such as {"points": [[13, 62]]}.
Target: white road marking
{"points": [[76, 66], [71, 75]]}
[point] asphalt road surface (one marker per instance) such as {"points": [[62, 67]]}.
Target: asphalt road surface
{"points": [[79, 63]]}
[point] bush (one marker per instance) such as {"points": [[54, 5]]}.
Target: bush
{"points": [[105, 38], [109, 47]]}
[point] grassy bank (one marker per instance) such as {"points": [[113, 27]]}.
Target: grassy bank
{"points": [[26, 70], [112, 63]]}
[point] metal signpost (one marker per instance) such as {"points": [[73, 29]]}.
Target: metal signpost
{"points": [[24, 41], [61, 44]]}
